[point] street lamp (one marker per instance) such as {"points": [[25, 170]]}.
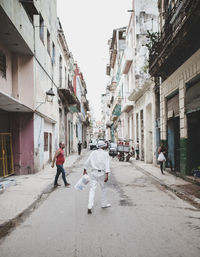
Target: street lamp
{"points": [[49, 98], [49, 95]]}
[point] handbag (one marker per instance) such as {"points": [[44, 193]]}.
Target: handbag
{"points": [[161, 157]]}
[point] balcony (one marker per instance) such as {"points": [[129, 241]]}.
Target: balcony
{"points": [[67, 96], [112, 85], [16, 40], [29, 7], [127, 60], [178, 40], [108, 70], [127, 105], [140, 91]]}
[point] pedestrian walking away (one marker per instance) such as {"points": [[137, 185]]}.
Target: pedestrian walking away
{"points": [[162, 152], [98, 164], [137, 150], [79, 147], [60, 159]]}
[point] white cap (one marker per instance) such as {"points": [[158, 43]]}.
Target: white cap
{"points": [[101, 144]]}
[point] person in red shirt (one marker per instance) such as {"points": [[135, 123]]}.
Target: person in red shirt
{"points": [[60, 159]]}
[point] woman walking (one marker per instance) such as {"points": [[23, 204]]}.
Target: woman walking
{"points": [[162, 152]]}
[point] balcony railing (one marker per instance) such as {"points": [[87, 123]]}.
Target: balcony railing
{"points": [[182, 12]]}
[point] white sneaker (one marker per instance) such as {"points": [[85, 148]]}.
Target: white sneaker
{"points": [[106, 206]]}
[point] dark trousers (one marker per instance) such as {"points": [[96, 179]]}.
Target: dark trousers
{"points": [[79, 151], [137, 154], [60, 169], [161, 166]]}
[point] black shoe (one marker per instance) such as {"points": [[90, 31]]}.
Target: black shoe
{"points": [[56, 185], [89, 211], [67, 185]]}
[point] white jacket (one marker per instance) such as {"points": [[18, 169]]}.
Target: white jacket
{"points": [[98, 160]]}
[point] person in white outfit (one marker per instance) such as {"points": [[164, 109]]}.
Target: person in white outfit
{"points": [[98, 163]]}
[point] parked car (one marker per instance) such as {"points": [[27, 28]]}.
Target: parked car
{"points": [[93, 144], [113, 149]]}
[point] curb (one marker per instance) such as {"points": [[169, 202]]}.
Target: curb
{"points": [[190, 198], [9, 225]]}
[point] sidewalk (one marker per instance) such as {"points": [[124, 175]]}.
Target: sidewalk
{"points": [[22, 192], [184, 188]]}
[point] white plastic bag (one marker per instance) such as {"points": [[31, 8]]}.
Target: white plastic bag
{"points": [[84, 180], [161, 157]]}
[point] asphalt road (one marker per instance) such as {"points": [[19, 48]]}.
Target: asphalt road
{"points": [[145, 220]]}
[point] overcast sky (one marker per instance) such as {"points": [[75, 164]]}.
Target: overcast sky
{"points": [[88, 25]]}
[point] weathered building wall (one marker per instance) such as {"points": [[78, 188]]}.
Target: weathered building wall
{"points": [[176, 83]]}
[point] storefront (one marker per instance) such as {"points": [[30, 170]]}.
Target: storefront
{"points": [[192, 103]]}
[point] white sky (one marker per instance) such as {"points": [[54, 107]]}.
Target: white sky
{"points": [[88, 25]]}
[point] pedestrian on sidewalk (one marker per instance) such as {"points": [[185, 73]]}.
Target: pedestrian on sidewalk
{"points": [[162, 149], [60, 159], [137, 150], [98, 163], [79, 147]]}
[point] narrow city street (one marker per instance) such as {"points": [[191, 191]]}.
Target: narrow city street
{"points": [[145, 220]]}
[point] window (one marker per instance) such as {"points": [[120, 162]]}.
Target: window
{"points": [[65, 77], [60, 71], [2, 64], [53, 53], [48, 42], [45, 141], [41, 29], [76, 130]]}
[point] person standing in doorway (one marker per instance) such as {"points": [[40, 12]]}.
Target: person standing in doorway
{"points": [[79, 147], [137, 150], [60, 159], [98, 163]]}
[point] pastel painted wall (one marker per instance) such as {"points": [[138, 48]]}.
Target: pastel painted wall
{"points": [[23, 142]]}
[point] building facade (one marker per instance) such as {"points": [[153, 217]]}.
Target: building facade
{"points": [[36, 86], [175, 65]]}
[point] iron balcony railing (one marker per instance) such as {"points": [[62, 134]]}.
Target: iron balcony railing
{"points": [[175, 17]]}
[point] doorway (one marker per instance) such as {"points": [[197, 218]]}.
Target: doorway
{"points": [[6, 155], [193, 120], [173, 134]]}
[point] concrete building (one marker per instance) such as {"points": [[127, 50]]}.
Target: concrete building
{"points": [[36, 86], [27, 76], [144, 20], [116, 46], [175, 65]]}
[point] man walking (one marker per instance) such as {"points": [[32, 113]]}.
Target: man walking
{"points": [[79, 147], [98, 163], [60, 159]]}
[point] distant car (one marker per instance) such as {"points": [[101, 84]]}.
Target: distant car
{"points": [[93, 144], [113, 149]]}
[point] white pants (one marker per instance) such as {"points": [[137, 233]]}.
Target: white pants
{"points": [[97, 177]]}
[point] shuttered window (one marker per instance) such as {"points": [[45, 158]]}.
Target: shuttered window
{"points": [[192, 98], [45, 141], [173, 106]]}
